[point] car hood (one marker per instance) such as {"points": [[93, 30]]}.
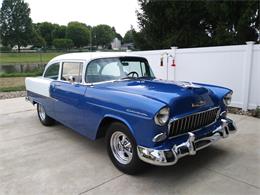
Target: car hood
{"points": [[180, 96]]}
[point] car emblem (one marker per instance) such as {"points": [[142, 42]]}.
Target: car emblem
{"points": [[198, 104]]}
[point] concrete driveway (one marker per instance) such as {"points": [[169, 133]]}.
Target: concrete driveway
{"points": [[55, 160]]}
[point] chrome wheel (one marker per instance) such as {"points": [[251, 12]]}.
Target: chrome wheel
{"points": [[121, 147], [42, 113]]}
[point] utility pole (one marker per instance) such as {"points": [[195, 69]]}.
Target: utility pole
{"points": [[90, 39]]}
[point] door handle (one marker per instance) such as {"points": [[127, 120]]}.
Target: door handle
{"points": [[57, 85]]}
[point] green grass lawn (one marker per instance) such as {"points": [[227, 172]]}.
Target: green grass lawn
{"points": [[10, 89], [26, 58]]}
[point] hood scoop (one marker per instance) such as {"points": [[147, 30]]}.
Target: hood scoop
{"points": [[188, 85]]}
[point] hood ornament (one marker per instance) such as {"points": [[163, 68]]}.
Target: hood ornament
{"points": [[188, 85]]}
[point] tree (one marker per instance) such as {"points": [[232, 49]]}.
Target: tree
{"points": [[49, 32], [233, 22], [37, 40], [117, 35], [140, 40], [102, 35], [15, 23], [128, 38], [180, 23], [79, 33], [59, 32], [46, 30], [63, 43], [196, 23]]}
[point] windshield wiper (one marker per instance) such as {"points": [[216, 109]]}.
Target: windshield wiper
{"points": [[145, 77], [125, 78], [135, 78]]}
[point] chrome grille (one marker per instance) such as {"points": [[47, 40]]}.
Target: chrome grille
{"points": [[193, 122]]}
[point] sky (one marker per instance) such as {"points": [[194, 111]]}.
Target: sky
{"points": [[118, 13]]}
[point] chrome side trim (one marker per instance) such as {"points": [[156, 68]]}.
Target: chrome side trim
{"points": [[171, 156], [160, 137], [224, 113]]}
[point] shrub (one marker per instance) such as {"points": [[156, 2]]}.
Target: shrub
{"points": [[5, 49], [257, 112]]}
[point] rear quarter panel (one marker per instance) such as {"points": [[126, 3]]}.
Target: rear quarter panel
{"points": [[38, 91], [38, 85]]}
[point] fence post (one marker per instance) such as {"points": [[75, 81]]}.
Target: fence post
{"points": [[247, 73]]}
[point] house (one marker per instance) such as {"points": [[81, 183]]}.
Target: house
{"points": [[116, 44]]}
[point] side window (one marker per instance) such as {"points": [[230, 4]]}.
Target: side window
{"points": [[52, 71], [72, 71]]}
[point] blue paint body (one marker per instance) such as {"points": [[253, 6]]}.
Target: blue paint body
{"points": [[134, 102]]}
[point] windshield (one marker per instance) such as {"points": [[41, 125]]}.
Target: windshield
{"points": [[107, 69]]}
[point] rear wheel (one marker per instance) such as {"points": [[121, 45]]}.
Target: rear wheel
{"points": [[122, 149], [44, 118]]}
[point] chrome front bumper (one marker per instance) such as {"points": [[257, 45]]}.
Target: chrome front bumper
{"points": [[189, 147]]}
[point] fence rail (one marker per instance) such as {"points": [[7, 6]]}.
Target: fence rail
{"points": [[21, 68]]}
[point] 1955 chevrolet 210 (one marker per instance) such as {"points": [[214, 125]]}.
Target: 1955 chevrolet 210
{"points": [[143, 119]]}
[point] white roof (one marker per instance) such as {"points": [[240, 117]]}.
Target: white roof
{"points": [[86, 56]]}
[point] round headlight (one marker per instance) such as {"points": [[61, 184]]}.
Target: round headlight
{"points": [[162, 117], [227, 99]]}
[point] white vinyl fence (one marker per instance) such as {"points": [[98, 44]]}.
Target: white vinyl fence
{"points": [[236, 67]]}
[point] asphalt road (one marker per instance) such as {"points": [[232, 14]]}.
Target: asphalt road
{"points": [[55, 160]]}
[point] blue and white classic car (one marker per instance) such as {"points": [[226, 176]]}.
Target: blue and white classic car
{"points": [[143, 119]]}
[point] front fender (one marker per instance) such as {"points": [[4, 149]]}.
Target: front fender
{"points": [[135, 111], [121, 119], [218, 91]]}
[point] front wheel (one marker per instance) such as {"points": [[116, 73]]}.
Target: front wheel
{"points": [[44, 118], [122, 149]]}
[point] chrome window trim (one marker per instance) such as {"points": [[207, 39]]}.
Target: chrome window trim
{"points": [[72, 61], [196, 113], [49, 65]]}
